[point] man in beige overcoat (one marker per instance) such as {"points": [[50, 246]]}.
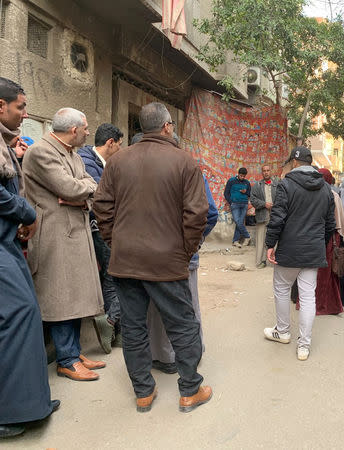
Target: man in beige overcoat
{"points": [[61, 255]]}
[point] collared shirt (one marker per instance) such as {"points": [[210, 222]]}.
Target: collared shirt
{"points": [[94, 148], [268, 195]]}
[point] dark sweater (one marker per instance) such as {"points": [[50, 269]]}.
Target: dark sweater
{"points": [[232, 191]]}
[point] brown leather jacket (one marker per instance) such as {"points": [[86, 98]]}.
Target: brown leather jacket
{"points": [[151, 208]]}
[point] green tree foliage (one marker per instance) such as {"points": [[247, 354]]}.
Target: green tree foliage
{"points": [[272, 34]]}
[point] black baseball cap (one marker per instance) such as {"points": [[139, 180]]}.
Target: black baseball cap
{"points": [[300, 154]]}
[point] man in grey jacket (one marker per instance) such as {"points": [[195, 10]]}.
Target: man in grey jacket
{"points": [[262, 198]]}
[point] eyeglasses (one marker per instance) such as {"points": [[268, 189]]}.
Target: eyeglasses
{"points": [[173, 123]]}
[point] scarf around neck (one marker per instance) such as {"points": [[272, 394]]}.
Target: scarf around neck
{"points": [[9, 166]]}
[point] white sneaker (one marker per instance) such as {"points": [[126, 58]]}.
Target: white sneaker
{"points": [[273, 335], [246, 242], [302, 353], [236, 244]]}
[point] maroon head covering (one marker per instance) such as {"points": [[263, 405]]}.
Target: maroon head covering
{"points": [[327, 175]]}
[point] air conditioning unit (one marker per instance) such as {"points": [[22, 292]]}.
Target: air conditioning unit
{"points": [[254, 76]]}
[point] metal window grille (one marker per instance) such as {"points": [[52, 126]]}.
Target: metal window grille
{"points": [[37, 36], [3, 8]]}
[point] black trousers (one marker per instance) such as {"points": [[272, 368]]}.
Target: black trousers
{"points": [[174, 303], [111, 302]]}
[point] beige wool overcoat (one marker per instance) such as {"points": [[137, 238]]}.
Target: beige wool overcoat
{"points": [[61, 254]]}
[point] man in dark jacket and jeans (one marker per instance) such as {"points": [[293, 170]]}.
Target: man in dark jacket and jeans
{"points": [[302, 222], [108, 140], [237, 193]]}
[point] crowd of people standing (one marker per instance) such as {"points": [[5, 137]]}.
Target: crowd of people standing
{"points": [[140, 219], [114, 234]]}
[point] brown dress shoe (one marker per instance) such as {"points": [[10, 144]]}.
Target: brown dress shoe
{"points": [[187, 404], [89, 364], [77, 372], [144, 404]]}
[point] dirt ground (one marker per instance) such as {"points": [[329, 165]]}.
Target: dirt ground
{"points": [[263, 396]]}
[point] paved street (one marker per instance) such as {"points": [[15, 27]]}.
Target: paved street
{"points": [[263, 396]]}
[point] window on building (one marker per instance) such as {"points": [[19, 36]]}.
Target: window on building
{"points": [[35, 127], [37, 36], [3, 14]]}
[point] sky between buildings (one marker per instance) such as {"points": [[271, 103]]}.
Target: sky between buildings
{"points": [[321, 8]]}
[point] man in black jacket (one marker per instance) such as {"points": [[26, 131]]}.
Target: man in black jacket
{"points": [[107, 140], [302, 222]]}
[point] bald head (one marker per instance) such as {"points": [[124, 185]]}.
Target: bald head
{"points": [[66, 118], [71, 125]]}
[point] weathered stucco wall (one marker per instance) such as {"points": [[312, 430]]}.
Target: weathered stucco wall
{"points": [[51, 83]]}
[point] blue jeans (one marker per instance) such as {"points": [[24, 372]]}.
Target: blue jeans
{"points": [[66, 337], [239, 213]]}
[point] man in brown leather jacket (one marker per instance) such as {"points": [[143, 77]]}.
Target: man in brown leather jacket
{"points": [[151, 208]]}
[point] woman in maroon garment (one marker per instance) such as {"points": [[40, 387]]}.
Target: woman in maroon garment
{"points": [[327, 294]]}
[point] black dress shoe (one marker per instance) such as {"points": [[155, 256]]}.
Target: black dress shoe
{"points": [[56, 404], [11, 430], [164, 367]]}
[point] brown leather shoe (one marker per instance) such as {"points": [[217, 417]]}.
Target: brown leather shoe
{"points": [[77, 372], [89, 364], [187, 404], [144, 404]]}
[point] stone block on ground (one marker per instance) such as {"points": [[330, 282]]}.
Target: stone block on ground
{"points": [[235, 265]]}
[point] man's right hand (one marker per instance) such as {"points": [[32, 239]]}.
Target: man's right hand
{"points": [[271, 256], [20, 148], [268, 205], [26, 232]]}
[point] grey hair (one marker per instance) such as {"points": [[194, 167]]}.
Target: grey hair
{"points": [[66, 118], [153, 116]]}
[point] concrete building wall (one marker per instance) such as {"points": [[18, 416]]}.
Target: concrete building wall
{"points": [[114, 53], [52, 82], [199, 9]]}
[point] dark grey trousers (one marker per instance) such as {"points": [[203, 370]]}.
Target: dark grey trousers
{"points": [[111, 302], [161, 347], [174, 303]]}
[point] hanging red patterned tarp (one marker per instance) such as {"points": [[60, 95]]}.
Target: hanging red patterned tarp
{"points": [[223, 137]]}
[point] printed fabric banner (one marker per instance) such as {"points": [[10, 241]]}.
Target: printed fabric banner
{"points": [[223, 137]]}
